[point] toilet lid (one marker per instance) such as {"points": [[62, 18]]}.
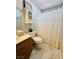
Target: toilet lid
{"points": [[37, 39]]}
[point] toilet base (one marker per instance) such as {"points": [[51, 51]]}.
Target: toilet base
{"points": [[38, 46]]}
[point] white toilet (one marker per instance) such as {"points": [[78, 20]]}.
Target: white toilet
{"points": [[38, 42]]}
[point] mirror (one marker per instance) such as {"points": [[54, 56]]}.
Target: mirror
{"points": [[19, 22], [18, 19]]}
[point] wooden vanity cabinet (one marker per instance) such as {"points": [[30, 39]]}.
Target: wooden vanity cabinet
{"points": [[24, 49]]}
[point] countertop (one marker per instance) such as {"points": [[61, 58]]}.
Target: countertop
{"points": [[22, 38]]}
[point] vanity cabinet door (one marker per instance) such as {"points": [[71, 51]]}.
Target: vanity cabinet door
{"points": [[24, 49]]}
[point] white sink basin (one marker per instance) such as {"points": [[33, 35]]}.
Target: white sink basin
{"points": [[19, 32]]}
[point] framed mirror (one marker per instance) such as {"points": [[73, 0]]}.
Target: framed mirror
{"points": [[19, 22]]}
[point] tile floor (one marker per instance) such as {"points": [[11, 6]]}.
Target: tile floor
{"points": [[47, 52]]}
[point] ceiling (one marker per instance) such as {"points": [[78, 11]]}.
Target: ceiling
{"points": [[45, 4]]}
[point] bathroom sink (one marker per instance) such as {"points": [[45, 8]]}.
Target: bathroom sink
{"points": [[19, 32]]}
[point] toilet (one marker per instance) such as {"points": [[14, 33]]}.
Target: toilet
{"points": [[38, 41]]}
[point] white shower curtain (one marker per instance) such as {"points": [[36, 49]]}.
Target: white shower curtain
{"points": [[49, 26]]}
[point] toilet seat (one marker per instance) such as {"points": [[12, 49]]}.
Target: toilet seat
{"points": [[37, 39]]}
